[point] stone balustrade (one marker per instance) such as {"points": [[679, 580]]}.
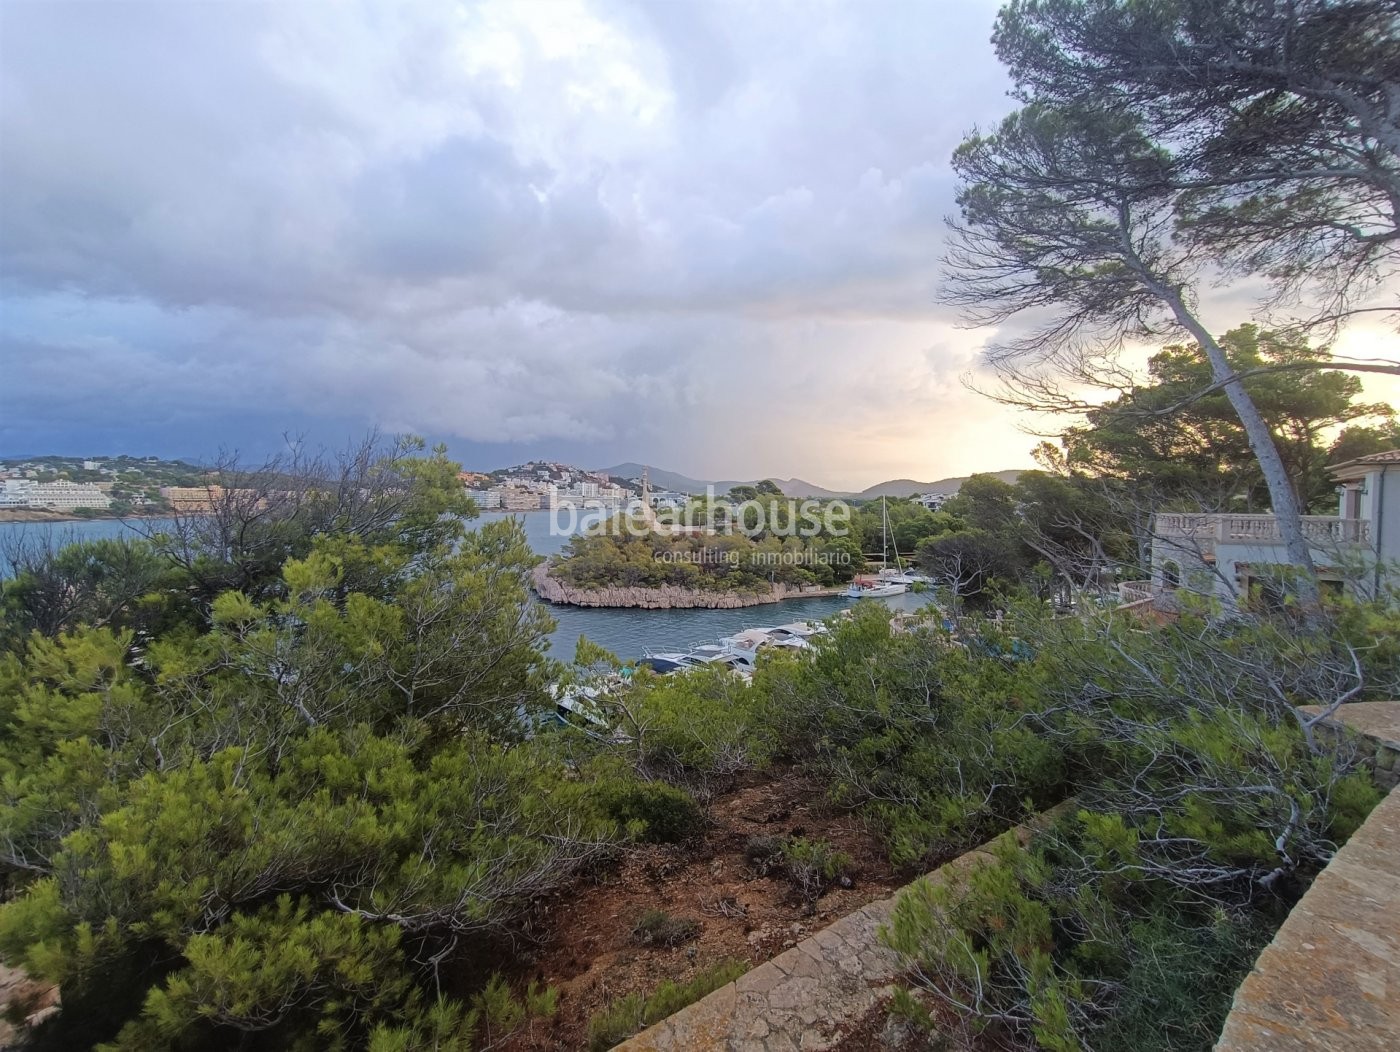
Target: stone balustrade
{"points": [[1135, 591], [1321, 530]]}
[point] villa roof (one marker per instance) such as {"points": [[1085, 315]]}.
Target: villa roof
{"points": [[1358, 467]]}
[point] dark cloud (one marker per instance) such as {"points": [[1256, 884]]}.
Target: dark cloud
{"points": [[694, 232]]}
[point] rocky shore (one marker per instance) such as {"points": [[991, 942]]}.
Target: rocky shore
{"points": [[667, 597], [49, 515]]}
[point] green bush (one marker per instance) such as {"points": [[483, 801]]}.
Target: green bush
{"points": [[937, 746], [813, 865], [635, 1012], [654, 811], [699, 728], [1073, 942]]}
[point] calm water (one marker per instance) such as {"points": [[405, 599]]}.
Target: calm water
{"points": [[627, 633]]}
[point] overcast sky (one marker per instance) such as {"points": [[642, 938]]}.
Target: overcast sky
{"points": [[700, 235]]}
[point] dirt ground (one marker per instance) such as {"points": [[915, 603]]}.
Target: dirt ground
{"points": [[592, 957], [22, 1000]]}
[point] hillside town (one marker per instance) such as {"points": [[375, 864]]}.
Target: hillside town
{"points": [[117, 485], [551, 486]]}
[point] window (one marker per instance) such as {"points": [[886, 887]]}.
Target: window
{"points": [[1171, 575]]}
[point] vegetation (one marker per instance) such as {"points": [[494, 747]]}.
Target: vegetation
{"points": [[1171, 445], [281, 808], [1206, 804], [813, 866], [710, 562], [1097, 207], [659, 928], [274, 777], [290, 809], [635, 1012]]}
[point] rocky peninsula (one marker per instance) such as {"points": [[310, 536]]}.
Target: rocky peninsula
{"points": [[665, 597]]}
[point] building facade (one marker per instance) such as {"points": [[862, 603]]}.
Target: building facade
{"points": [[56, 496], [1226, 555]]}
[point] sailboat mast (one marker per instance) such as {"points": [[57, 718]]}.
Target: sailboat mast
{"points": [[884, 533]]}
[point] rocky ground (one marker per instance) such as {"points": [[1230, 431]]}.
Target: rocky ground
{"points": [[587, 947], [23, 1002], [667, 597]]}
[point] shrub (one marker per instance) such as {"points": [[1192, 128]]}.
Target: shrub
{"points": [[628, 1015], [813, 865], [699, 728], [498, 1011], [654, 811], [1072, 942], [659, 928], [764, 853], [932, 743]]}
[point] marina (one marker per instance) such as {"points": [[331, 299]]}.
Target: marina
{"points": [[628, 633]]}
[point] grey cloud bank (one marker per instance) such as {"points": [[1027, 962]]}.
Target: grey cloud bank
{"points": [[702, 234]]}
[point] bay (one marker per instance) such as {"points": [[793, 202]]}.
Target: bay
{"points": [[627, 633]]}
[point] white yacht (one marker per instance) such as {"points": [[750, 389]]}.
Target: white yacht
{"points": [[745, 645], [904, 577], [802, 631]]}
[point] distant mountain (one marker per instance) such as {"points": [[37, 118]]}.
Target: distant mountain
{"points": [[674, 480], [909, 487], [660, 478], [794, 487], [803, 488]]}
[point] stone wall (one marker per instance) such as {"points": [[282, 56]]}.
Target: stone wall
{"points": [[1377, 723], [1330, 979], [802, 998]]}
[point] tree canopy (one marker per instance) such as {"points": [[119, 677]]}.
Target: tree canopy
{"points": [[1142, 159], [1282, 117], [275, 809], [1174, 445]]}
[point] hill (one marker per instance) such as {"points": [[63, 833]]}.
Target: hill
{"points": [[674, 480], [908, 487], [660, 477], [795, 487]]}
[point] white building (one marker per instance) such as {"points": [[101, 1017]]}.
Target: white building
{"points": [[60, 496], [1357, 549], [16, 493], [933, 501]]}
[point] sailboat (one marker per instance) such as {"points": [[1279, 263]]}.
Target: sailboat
{"points": [[888, 582]]}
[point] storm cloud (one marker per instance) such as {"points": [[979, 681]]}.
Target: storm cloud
{"points": [[700, 234]]}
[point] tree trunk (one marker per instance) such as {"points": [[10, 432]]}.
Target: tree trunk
{"points": [[1282, 495]]}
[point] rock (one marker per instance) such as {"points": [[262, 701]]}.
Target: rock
{"points": [[897, 1033]]}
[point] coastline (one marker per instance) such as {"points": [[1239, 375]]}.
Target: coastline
{"points": [[667, 597], [46, 515]]}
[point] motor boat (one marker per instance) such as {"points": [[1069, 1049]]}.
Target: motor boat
{"points": [[803, 630], [704, 656], [664, 664], [904, 577], [745, 644], [875, 589]]}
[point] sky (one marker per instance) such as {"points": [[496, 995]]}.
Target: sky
{"points": [[704, 236]]}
